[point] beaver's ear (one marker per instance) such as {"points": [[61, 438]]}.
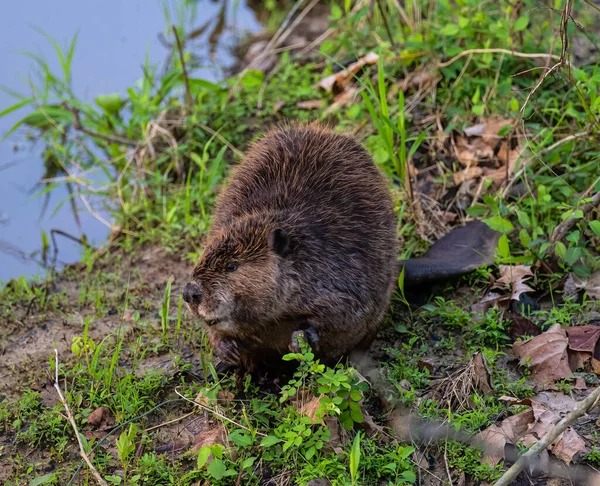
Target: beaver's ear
{"points": [[279, 242]]}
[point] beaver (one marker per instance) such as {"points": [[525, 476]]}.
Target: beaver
{"points": [[304, 241]]}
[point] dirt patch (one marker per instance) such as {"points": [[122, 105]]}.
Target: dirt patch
{"points": [[32, 335]]}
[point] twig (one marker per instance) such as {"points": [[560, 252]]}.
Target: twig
{"points": [[498, 51], [583, 407], [562, 60], [220, 415], [188, 93], [175, 420], [565, 226], [565, 140], [109, 138], [85, 457]]}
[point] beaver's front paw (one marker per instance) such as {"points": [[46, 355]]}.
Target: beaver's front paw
{"points": [[227, 351], [309, 335]]}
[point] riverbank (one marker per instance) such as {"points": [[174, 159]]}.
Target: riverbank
{"points": [[458, 109]]}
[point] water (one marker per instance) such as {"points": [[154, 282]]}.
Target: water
{"points": [[115, 36]]}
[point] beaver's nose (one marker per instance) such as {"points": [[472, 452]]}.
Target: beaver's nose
{"points": [[192, 294]]}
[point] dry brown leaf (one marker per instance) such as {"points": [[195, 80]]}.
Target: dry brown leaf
{"points": [[341, 79], [210, 437], [489, 301], [549, 360], [344, 98], [583, 338], [310, 104], [513, 277], [481, 374], [521, 326], [278, 106], [100, 418], [568, 444], [467, 174], [310, 409], [529, 426], [509, 430], [591, 284], [417, 80], [596, 366]]}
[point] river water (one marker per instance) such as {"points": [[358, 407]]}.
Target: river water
{"points": [[115, 36]]}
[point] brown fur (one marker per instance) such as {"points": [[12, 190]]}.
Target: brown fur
{"points": [[308, 220]]}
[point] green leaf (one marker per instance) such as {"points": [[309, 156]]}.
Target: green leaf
{"points": [[203, 456], [524, 238], [523, 218], [560, 250], [217, 469], [41, 479], [355, 457], [203, 85], [521, 23], [450, 29], [240, 438], [16, 106], [498, 223], [595, 227], [269, 440], [252, 78], [505, 130], [110, 103], [572, 255], [503, 247], [356, 395], [514, 104], [477, 110], [336, 12], [409, 476]]}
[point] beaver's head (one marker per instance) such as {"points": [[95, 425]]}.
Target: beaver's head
{"points": [[238, 278]]}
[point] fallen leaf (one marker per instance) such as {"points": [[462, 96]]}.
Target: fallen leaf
{"points": [[278, 106], [521, 326], [583, 338], [531, 425], [481, 374], [487, 302], [210, 437], [417, 80], [591, 284], [310, 104], [341, 79], [310, 409], [468, 173], [496, 436], [568, 444], [596, 366], [95, 418], [513, 277], [344, 98], [546, 355]]}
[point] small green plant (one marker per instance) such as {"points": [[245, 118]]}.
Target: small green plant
{"points": [[339, 389]]}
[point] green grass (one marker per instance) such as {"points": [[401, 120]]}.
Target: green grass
{"points": [[163, 198]]}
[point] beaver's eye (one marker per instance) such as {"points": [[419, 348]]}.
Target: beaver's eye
{"points": [[232, 267]]}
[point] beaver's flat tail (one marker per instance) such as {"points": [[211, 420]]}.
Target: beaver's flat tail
{"points": [[460, 251]]}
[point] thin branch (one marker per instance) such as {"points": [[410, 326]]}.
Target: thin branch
{"points": [[498, 51], [175, 420], [565, 226], [581, 409], [92, 133], [188, 93], [85, 457], [565, 140], [214, 412]]}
